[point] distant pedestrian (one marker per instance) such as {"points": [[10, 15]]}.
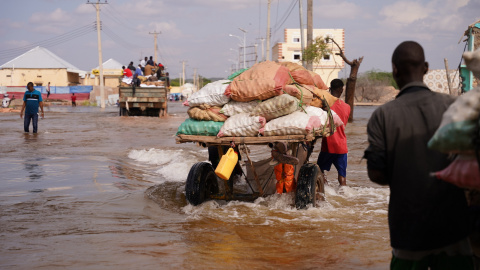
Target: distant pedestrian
{"points": [[32, 99], [48, 89], [74, 99]]}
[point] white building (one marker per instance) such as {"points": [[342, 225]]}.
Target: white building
{"points": [[290, 50]]}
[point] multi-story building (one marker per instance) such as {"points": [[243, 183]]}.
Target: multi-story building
{"points": [[330, 64]]}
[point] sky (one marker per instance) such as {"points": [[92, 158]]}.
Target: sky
{"points": [[198, 31]]}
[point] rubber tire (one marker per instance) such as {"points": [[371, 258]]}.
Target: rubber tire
{"points": [[201, 183], [307, 186]]}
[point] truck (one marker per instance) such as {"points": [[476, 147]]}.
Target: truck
{"points": [[143, 101]]}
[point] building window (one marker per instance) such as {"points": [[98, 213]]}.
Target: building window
{"points": [[297, 56], [296, 39], [39, 76], [8, 76], [326, 57]]}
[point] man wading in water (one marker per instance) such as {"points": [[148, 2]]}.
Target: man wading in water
{"points": [[428, 218], [334, 148], [31, 100]]}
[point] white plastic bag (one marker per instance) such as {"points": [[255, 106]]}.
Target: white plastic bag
{"points": [[212, 94], [242, 125]]}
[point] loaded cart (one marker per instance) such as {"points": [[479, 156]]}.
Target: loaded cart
{"points": [[203, 184]]}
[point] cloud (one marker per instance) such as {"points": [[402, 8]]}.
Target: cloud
{"points": [[51, 23], [424, 16], [56, 16], [403, 13], [332, 9], [166, 28]]}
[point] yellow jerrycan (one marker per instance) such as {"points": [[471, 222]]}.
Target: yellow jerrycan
{"points": [[227, 164]]}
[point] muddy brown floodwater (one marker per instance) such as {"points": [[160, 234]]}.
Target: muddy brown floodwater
{"points": [[96, 191]]}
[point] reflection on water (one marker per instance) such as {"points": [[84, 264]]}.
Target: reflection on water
{"points": [[34, 170], [91, 178]]}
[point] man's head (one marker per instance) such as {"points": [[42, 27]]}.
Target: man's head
{"points": [[131, 63], [146, 58], [30, 86], [151, 57], [336, 87], [123, 67], [139, 65], [408, 63], [48, 83]]}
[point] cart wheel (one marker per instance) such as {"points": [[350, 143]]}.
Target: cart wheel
{"points": [[307, 186], [201, 183]]}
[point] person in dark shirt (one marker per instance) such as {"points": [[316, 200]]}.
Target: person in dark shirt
{"points": [[151, 62], [131, 67], [427, 217], [32, 99]]}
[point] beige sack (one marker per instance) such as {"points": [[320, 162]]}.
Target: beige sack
{"points": [[276, 107], [207, 113]]}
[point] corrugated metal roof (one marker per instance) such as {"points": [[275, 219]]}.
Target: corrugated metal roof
{"points": [[111, 64], [40, 58]]}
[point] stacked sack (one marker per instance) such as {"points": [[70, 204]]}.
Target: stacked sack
{"points": [[459, 133], [268, 99]]}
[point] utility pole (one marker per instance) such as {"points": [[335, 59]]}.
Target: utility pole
{"points": [[309, 30], [263, 48], [183, 71], [302, 39], [155, 35], [268, 29], [244, 46], [195, 78], [100, 60]]}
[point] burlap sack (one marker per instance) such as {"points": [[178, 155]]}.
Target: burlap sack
{"points": [[305, 96], [207, 113], [276, 107], [317, 81], [242, 125], [235, 107], [262, 81], [292, 66], [310, 95], [303, 76]]}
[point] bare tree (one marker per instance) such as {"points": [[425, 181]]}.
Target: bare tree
{"points": [[351, 80]]}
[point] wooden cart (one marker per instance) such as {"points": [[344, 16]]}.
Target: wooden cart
{"points": [[202, 183]]}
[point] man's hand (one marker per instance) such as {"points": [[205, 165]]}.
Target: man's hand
{"points": [[21, 114], [43, 115]]}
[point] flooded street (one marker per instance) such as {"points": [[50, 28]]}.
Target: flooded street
{"points": [[97, 191]]}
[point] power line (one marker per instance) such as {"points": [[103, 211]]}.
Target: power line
{"points": [[285, 16], [60, 38], [9, 53]]}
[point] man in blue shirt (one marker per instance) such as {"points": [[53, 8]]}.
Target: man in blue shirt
{"points": [[32, 99]]}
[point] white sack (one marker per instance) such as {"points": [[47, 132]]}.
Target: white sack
{"points": [[211, 94]]}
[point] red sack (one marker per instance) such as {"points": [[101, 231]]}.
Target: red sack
{"points": [[262, 81], [462, 172]]}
